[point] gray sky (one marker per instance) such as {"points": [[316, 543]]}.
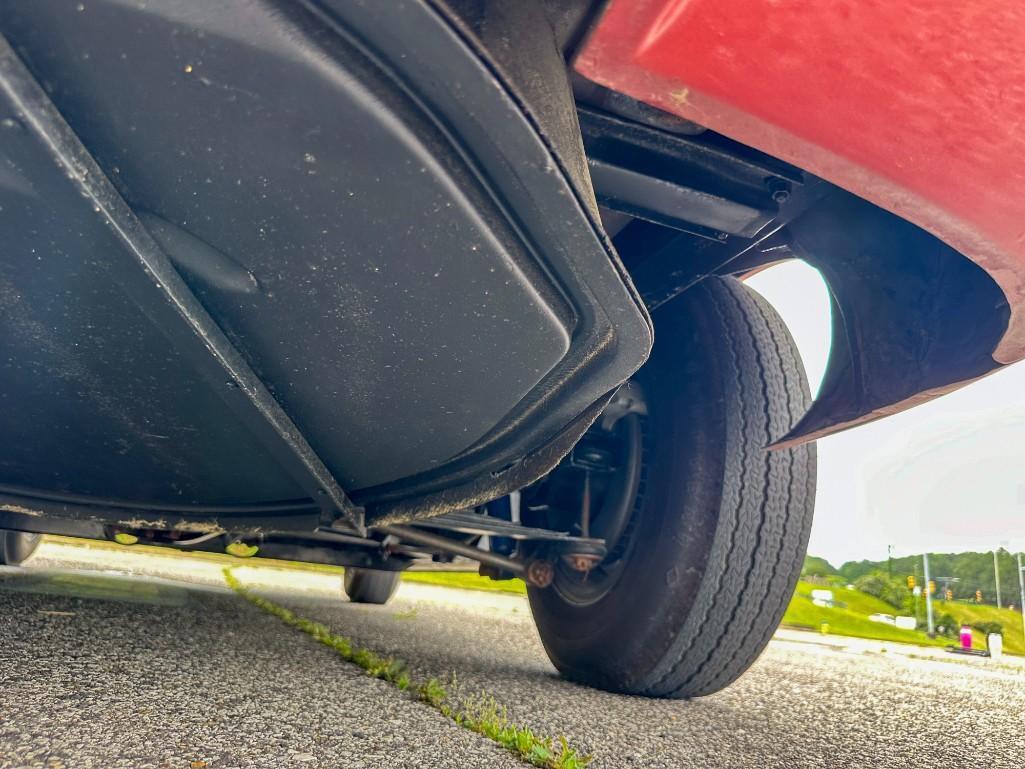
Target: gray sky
{"points": [[947, 476]]}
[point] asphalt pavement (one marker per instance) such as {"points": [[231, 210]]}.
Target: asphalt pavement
{"points": [[110, 670]]}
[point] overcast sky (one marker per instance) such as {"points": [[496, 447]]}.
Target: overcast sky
{"points": [[947, 476]]}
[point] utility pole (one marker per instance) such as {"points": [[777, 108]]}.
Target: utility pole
{"points": [[928, 596], [917, 591], [1021, 587], [996, 575], [889, 561]]}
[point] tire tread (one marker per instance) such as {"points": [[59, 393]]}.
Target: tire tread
{"points": [[757, 570]]}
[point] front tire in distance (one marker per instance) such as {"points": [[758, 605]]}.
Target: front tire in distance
{"points": [[370, 585], [17, 546], [699, 578]]}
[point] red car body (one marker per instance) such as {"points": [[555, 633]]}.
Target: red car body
{"points": [[916, 106]]}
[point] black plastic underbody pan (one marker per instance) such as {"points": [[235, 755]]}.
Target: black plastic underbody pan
{"points": [[267, 262]]}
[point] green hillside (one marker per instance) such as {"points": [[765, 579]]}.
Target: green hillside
{"points": [[851, 619], [972, 614], [817, 567]]}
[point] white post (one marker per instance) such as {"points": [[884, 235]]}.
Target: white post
{"points": [[928, 595], [996, 576]]}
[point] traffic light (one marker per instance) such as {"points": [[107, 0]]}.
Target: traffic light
{"points": [[911, 582], [978, 596], [932, 587]]}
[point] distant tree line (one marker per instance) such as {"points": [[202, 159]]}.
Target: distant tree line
{"points": [[974, 572], [818, 567]]}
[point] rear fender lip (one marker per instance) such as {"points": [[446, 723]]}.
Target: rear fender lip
{"points": [[912, 319]]}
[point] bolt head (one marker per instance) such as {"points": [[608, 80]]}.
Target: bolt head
{"points": [[582, 561], [540, 573]]}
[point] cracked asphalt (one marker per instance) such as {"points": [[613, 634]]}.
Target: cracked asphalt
{"points": [[110, 670]]}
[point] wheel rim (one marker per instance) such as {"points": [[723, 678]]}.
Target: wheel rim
{"points": [[616, 512]]}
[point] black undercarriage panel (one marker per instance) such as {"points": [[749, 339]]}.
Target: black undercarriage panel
{"points": [[266, 253]]}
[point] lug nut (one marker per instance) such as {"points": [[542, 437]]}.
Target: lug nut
{"points": [[539, 573], [581, 561]]}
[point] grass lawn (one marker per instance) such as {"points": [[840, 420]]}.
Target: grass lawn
{"points": [[466, 580], [169, 552], [1014, 639], [851, 620]]}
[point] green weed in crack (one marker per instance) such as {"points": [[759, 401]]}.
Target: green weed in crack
{"points": [[480, 714], [390, 670]]}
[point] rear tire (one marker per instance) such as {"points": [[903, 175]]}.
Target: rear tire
{"points": [[17, 546], [370, 586], [720, 525]]}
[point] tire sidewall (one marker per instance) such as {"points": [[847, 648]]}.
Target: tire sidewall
{"points": [[17, 546], [678, 517], [369, 585]]}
